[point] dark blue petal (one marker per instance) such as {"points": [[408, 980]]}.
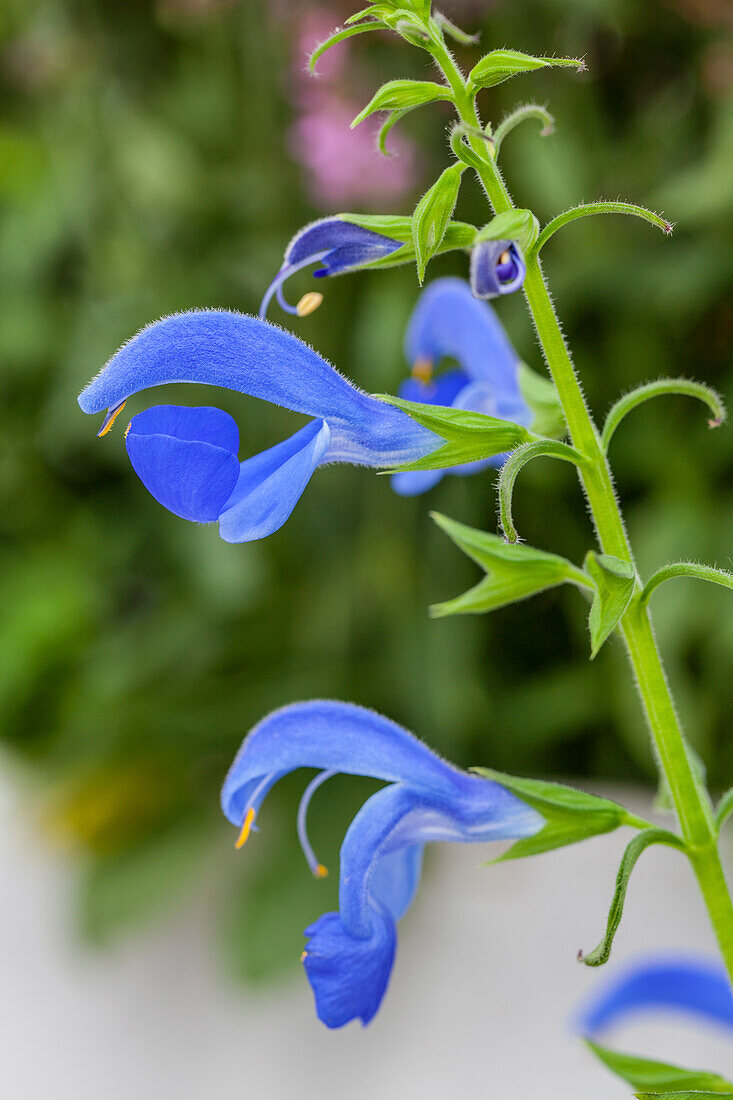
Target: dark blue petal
{"points": [[184, 457], [349, 975], [497, 267], [696, 986], [219, 348], [271, 484], [346, 245]]}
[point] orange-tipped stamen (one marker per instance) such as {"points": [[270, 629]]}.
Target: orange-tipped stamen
{"points": [[317, 869], [110, 418], [309, 303], [320, 871], [246, 827], [304, 956], [422, 370]]}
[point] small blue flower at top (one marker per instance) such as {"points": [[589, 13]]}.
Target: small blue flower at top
{"points": [[349, 956], [336, 244], [676, 984], [497, 267], [187, 457], [449, 322]]}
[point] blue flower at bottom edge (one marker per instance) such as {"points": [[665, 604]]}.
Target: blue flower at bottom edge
{"points": [[678, 984], [187, 457], [349, 955], [449, 322]]}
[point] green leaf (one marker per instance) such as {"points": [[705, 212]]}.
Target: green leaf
{"points": [[638, 844], [659, 388], [390, 121], [687, 569], [544, 401], [537, 448], [695, 1094], [500, 65], [570, 815], [511, 225], [522, 114], [373, 11], [396, 95], [470, 436], [339, 35], [587, 209], [513, 571], [660, 1077], [399, 228], [614, 581], [432, 216]]}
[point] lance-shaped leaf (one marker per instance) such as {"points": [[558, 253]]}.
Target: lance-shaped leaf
{"points": [[660, 1078], [500, 65], [399, 228], [511, 225], [513, 571], [432, 216], [614, 581], [470, 436], [396, 95], [638, 844], [570, 815]]}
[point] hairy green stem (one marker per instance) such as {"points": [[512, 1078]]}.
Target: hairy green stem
{"points": [[690, 797]]}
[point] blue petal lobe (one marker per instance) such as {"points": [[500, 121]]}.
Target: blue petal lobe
{"points": [[271, 484], [346, 245], [184, 457], [491, 274], [696, 986], [410, 483], [395, 877], [349, 974]]}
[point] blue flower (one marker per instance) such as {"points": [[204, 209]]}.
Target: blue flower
{"points": [[338, 245], [667, 984], [449, 322], [187, 457], [350, 953], [497, 267]]}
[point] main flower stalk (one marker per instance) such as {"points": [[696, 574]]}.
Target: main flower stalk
{"points": [[690, 797]]}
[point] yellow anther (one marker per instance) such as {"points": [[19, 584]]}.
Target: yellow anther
{"points": [[505, 257], [111, 419], [422, 369], [304, 956], [309, 303], [247, 825], [320, 871]]}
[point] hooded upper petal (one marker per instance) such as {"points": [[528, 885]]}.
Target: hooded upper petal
{"points": [[345, 244], [695, 986], [252, 356], [497, 267], [186, 458]]}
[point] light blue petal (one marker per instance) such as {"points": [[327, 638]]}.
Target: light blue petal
{"points": [[695, 986], [411, 483], [448, 322], [395, 877], [271, 484], [252, 356], [349, 975], [184, 457]]}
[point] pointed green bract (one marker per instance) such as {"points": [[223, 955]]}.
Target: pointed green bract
{"points": [[513, 571], [339, 35], [500, 65], [687, 569], [588, 209], [449, 27], [396, 95], [661, 387], [399, 228], [512, 225], [432, 216], [570, 815], [638, 844], [536, 448], [614, 581], [659, 1077], [469, 436]]}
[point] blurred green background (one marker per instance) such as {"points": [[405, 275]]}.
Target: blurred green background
{"points": [[149, 164]]}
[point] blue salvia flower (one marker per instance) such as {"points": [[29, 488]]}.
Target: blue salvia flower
{"points": [[497, 267], [349, 955], [677, 984], [187, 457], [448, 322], [338, 246]]}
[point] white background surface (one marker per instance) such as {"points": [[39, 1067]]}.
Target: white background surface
{"points": [[479, 1002]]}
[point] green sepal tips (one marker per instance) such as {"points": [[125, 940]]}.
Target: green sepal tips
{"points": [[570, 815], [614, 582], [660, 1078], [397, 95], [432, 216], [513, 571], [500, 65], [458, 235], [636, 846], [512, 225]]}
